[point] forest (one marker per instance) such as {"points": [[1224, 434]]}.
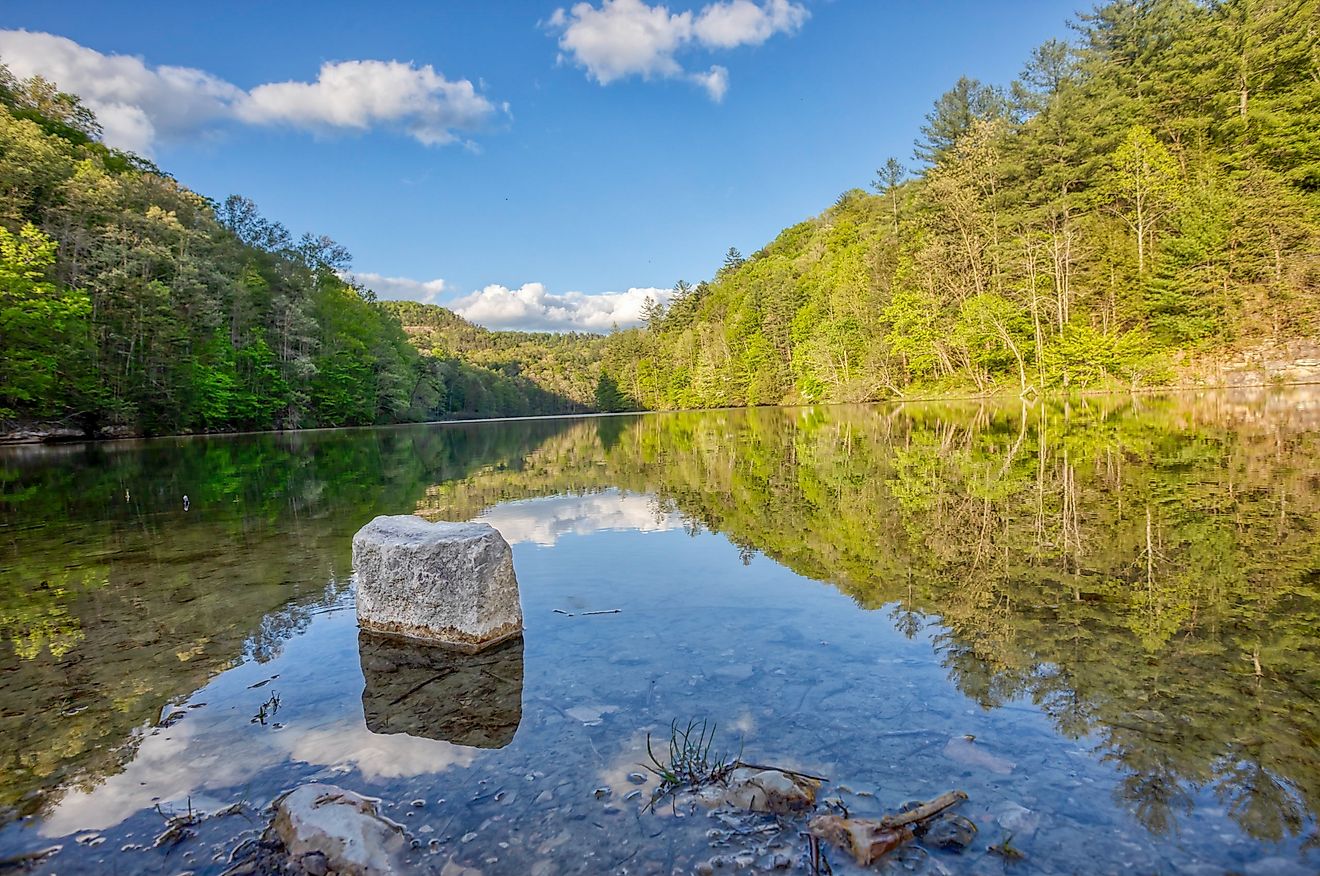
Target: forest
{"points": [[132, 305], [1144, 195]]}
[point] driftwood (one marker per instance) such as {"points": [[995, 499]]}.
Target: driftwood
{"points": [[868, 840], [864, 839]]}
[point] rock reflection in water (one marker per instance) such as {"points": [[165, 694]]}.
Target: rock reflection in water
{"points": [[438, 693]]}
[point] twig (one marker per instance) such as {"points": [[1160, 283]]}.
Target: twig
{"points": [[760, 766], [925, 811], [816, 856], [606, 611], [486, 796]]}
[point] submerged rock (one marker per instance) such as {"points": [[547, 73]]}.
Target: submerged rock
{"points": [[590, 715], [451, 583], [964, 750], [1017, 819], [438, 693], [949, 832], [769, 790], [327, 829]]}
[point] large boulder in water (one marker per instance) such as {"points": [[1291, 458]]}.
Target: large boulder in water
{"points": [[447, 583]]}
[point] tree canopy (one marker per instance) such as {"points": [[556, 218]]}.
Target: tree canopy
{"points": [[1146, 193]]}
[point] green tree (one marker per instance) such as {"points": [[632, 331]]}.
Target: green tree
{"points": [[887, 181], [1141, 187], [40, 326], [955, 112]]}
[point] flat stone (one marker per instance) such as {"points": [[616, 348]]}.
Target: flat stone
{"points": [[590, 715], [446, 583], [965, 751], [1018, 819], [327, 829]]}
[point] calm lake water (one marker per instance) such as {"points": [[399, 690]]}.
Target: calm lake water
{"points": [[1118, 599]]}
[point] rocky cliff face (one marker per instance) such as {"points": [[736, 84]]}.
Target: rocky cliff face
{"points": [[1275, 362]]}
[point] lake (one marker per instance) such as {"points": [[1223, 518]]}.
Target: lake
{"points": [[1100, 619]]}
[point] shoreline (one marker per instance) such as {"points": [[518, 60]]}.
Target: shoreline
{"points": [[36, 436]]}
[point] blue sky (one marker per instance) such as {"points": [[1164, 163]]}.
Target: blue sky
{"points": [[548, 161]]}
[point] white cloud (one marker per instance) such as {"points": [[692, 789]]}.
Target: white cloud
{"points": [[361, 94], [135, 104], [180, 767], [531, 307], [623, 38], [715, 81], [632, 38], [399, 288], [139, 105], [741, 22]]}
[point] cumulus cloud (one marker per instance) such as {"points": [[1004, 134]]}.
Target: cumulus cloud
{"points": [[135, 103], [399, 288], [732, 23], [139, 105], [625, 38], [362, 94], [531, 307]]}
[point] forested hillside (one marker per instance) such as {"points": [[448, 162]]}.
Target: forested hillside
{"points": [[522, 372], [129, 304], [1145, 193]]}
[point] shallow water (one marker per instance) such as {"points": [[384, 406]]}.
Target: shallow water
{"points": [[1119, 600]]}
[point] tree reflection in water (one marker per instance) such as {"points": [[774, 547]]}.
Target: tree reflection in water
{"points": [[1146, 571]]}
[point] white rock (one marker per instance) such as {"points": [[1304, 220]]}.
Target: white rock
{"points": [[327, 825], [451, 583], [769, 791], [966, 750], [1018, 819]]}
